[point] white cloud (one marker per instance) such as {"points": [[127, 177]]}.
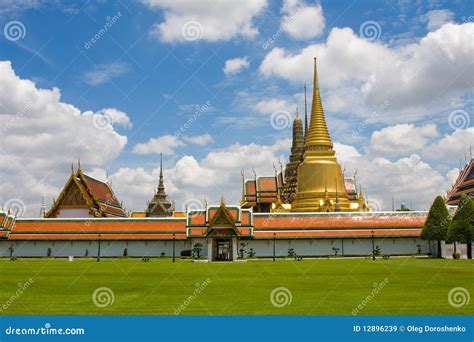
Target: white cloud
{"points": [[401, 139], [111, 116], [235, 65], [41, 135], [201, 140], [452, 147], [407, 179], [437, 18], [354, 72], [104, 73], [164, 144], [302, 21], [206, 20], [273, 105]]}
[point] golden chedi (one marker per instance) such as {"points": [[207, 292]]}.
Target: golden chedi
{"points": [[320, 179]]}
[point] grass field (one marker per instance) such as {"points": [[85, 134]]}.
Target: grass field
{"points": [[159, 287]]}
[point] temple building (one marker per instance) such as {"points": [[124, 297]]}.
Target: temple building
{"points": [[160, 205], [312, 181], [464, 184], [85, 196]]}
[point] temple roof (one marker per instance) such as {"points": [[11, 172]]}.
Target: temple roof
{"points": [[85, 191], [160, 205], [464, 184]]}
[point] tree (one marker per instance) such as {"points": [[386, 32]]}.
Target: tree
{"points": [[461, 227], [436, 224], [242, 250], [197, 248]]}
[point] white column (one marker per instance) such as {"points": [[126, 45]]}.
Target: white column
{"points": [[210, 245], [234, 249]]}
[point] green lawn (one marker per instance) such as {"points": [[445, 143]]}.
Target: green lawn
{"points": [[159, 287]]}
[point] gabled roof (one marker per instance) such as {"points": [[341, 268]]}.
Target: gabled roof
{"points": [[84, 191], [463, 185]]}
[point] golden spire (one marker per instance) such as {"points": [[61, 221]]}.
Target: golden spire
{"points": [[318, 135]]}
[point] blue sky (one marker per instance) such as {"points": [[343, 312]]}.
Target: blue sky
{"points": [[389, 92]]}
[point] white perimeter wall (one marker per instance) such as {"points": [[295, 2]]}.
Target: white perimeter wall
{"points": [[262, 248]]}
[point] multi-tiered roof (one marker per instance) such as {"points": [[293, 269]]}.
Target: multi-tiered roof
{"points": [[463, 185]]}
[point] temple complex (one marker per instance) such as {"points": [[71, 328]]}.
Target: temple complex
{"points": [[308, 207]]}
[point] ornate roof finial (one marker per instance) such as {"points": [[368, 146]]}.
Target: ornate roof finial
{"points": [[297, 113], [79, 165], [305, 113], [318, 134], [72, 168]]}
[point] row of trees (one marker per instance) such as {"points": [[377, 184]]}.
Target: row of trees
{"points": [[439, 225]]}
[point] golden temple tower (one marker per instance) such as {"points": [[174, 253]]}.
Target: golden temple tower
{"points": [[320, 178]]}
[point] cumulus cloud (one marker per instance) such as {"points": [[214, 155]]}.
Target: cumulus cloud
{"points": [[401, 139], [104, 73], [302, 21], [41, 135], [201, 140], [235, 65], [437, 18], [354, 72], [408, 179], [167, 144], [206, 20]]}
